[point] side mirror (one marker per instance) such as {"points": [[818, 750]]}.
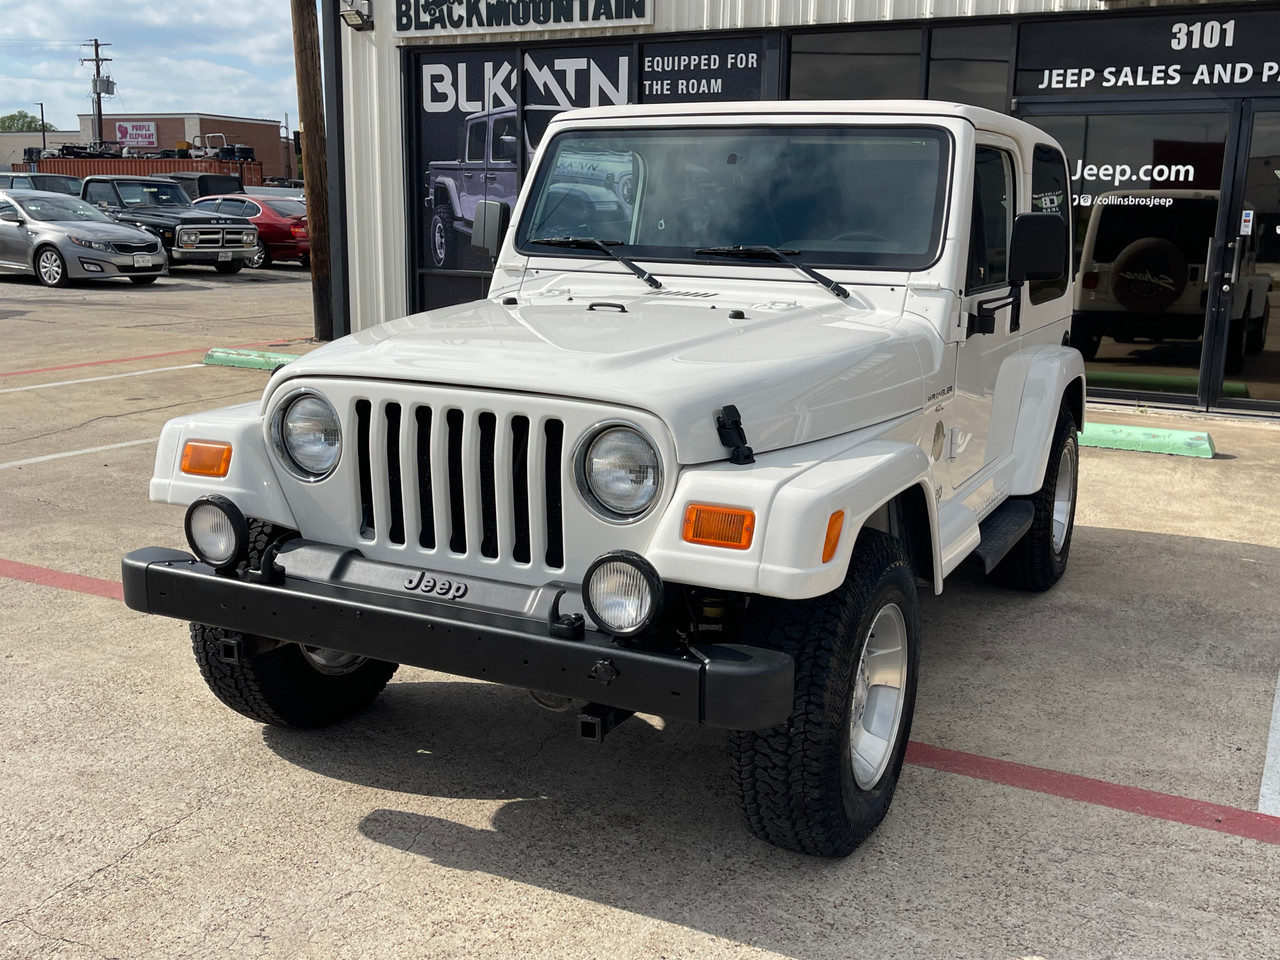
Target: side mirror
{"points": [[1038, 249], [10, 216], [490, 226]]}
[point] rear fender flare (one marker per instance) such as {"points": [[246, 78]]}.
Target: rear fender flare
{"points": [[1054, 374]]}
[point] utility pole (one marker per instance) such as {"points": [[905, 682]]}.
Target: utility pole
{"points": [[97, 60], [44, 143], [315, 166]]}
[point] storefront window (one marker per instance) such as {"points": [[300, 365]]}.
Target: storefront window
{"points": [[861, 65], [1146, 191], [970, 65], [1257, 292]]}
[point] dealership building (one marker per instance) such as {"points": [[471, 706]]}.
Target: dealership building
{"points": [[1169, 114]]}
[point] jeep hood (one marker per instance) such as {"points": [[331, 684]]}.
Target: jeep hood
{"points": [[802, 367]]}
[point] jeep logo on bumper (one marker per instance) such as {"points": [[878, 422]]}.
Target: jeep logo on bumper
{"points": [[447, 589]]}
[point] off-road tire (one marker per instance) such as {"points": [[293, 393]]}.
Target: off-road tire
{"points": [[795, 782], [229, 266], [1035, 562], [276, 683], [1256, 338], [1237, 344], [143, 281], [1087, 344], [442, 245]]}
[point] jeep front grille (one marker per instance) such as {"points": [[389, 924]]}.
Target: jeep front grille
{"points": [[466, 482]]}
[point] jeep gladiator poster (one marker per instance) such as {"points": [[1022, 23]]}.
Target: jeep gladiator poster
{"points": [[480, 116]]}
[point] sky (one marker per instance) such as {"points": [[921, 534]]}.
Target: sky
{"points": [[228, 57]]}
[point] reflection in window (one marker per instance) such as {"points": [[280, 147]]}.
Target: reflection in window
{"points": [[1049, 194], [970, 65], [864, 196], [858, 65], [992, 215]]}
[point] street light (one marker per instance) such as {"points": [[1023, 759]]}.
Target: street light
{"points": [[44, 145]]}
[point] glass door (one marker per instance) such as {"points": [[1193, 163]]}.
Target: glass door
{"points": [[1249, 348], [1146, 214]]}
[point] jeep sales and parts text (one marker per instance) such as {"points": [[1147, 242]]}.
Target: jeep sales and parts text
{"points": [[1190, 39]]}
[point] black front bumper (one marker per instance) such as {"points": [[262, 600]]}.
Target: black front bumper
{"points": [[330, 597]]}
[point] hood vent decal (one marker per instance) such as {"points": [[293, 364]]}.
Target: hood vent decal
{"points": [[729, 426], [682, 293]]}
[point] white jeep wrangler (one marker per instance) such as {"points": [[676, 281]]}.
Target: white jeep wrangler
{"points": [[690, 458]]}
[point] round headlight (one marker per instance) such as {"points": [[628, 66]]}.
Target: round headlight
{"points": [[623, 593], [217, 531], [188, 238], [620, 471], [309, 436]]}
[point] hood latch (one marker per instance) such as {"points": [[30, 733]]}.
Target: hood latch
{"points": [[729, 426]]}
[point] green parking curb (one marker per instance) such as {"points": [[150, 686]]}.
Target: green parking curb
{"points": [[1179, 443], [256, 359]]}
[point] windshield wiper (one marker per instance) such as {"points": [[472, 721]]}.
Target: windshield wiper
{"points": [[760, 251], [593, 243]]}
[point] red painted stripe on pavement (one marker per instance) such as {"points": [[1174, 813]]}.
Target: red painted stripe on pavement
{"points": [[1147, 803], [63, 581], [1054, 783], [148, 356]]}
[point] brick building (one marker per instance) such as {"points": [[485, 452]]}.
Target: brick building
{"points": [[151, 132]]}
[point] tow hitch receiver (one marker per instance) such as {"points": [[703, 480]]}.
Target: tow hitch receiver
{"points": [[596, 720]]}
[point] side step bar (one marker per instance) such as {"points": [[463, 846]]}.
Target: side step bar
{"points": [[1002, 530]]}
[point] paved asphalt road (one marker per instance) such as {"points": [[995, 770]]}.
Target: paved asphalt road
{"points": [[1083, 782]]}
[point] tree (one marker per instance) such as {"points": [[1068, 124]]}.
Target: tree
{"points": [[23, 122]]}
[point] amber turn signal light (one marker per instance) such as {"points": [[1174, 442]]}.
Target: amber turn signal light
{"points": [[206, 458], [712, 526], [834, 528]]}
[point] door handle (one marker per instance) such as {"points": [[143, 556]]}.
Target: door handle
{"points": [[468, 175], [1237, 248], [491, 176]]}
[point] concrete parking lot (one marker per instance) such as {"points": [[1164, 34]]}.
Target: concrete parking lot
{"points": [[1084, 781]]}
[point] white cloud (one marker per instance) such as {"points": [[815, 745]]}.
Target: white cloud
{"points": [[232, 57]]}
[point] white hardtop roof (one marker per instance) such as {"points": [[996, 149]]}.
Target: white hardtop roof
{"points": [[774, 110]]}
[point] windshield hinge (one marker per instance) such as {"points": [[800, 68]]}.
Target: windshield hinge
{"points": [[729, 426]]}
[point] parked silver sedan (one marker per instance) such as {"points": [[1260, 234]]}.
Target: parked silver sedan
{"points": [[60, 239]]}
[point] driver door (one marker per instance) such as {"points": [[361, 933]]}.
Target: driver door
{"points": [[980, 355]]}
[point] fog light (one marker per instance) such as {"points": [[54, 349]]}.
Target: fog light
{"points": [[91, 266], [217, 531], [622, 592]]}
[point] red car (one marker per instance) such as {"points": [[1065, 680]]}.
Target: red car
{"points": [[281, 223]]}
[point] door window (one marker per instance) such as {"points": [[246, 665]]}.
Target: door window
{"points": [[991, 220], [232, 208], [475, 141], [505, 139], [1050, 193]]}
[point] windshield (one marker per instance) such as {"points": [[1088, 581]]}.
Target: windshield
{"points": [[839, 196], [288, 208], [61, 208], [159, 194]]}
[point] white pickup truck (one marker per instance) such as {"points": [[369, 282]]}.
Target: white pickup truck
{"points": [[691, 457]]}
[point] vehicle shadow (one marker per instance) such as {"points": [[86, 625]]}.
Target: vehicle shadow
{"points": [[647, 822]]}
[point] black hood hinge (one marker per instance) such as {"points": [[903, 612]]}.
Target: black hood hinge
{"points": [[729, 426]]}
